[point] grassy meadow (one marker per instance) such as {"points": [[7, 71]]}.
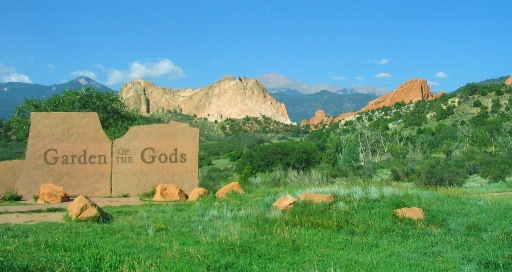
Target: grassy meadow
{"points": [[464, 230]]}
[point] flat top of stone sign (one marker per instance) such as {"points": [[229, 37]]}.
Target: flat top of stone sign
{"points": [[69, 125]]}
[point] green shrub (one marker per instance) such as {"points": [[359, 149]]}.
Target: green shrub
{"points": [[10, 195], [442, 173], [213, 177]]}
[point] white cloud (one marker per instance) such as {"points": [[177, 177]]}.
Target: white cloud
{"points": [[359, 78], [441, 75], [51, 66], [15, 77], [85, 73], [383, 75], [381, 61], [163, 68], [433, 83], [8, 74], [338, 77]]}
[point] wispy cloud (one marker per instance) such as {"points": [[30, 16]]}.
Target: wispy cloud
{"points": [[441, 75], [359, 78], [8, 74], [51, 66], [86, 73], [433, 83], [383, 75], [338, 77], [381, 61], [160, 69]]}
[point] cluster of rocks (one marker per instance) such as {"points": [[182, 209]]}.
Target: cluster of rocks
{"points": [[82, 208], [171, 192], [287, 202]]}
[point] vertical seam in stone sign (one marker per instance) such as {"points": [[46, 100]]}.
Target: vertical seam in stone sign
{"points": [[111, 164]]}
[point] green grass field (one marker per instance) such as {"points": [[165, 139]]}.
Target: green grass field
{"points": [[357, 232]]}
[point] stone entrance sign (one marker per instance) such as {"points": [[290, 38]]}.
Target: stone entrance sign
{"points": [[155, 154], [10, 172], [68, 149]]}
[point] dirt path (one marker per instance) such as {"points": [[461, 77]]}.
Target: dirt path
{"points": [[20, 214]]}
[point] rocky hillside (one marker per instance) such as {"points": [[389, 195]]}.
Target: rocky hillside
{"points": [[408, 92], [227, 98], [509, 81]]}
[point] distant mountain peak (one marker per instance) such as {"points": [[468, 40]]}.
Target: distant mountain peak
{"points": [[13, 93]]}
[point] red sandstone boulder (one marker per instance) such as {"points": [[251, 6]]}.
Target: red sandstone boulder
{"points": [[51, 193], [169, 192], [232, 187], [284, 203], [197, 193], [413, 213], [82, 208], [317, 198]]}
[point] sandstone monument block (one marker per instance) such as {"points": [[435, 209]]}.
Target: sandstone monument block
{"points": [[69, 149], [155, 154], [10, 172]]}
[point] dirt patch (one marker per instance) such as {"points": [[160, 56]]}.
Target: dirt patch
{"points": [[31, 218], [20, 214]]}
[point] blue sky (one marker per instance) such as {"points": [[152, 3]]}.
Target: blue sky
{"points": [[192, 44]]}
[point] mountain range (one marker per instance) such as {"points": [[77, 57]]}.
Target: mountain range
{"points": [[301, 99], [303, 106], [14, 93], [276, 83]]}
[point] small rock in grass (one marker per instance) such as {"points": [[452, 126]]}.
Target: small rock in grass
{"points": [[169, 192], [197, 193], [317, 198], [413, 213], [232, 187], [284, 203], [82, 208]]}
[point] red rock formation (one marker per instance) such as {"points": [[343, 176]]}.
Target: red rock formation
{"points": [[227, 98], [409, 92], [508, 82]]}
